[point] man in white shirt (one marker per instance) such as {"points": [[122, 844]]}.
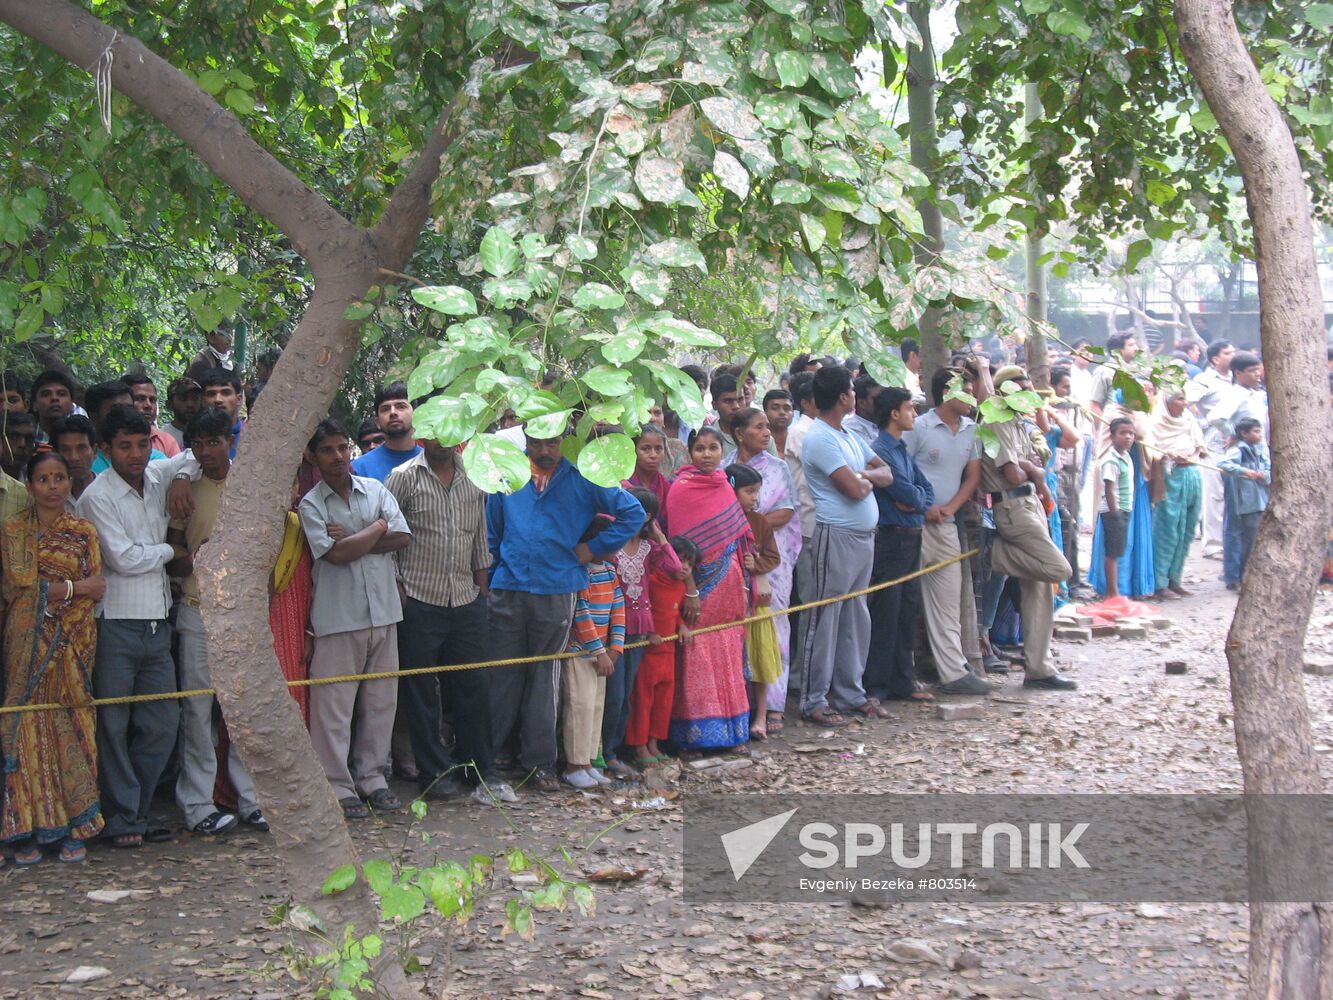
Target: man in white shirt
{"points": [[127, 504], [1204, 393]]}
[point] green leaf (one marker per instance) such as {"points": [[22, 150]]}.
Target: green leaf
{"points": [[650, 284], [778, 111], [838, 163], [447, 420], [657, 53], [499, 254], [607, 460], [378, 874], [732, 116], [595, 295], [495, 466], [584, 900], [339, 879], [1137, 251], [793, 68], [1159, 192], [1069, 22], [211, 81], [580, 247], [402, 903], [791, 8], [240, 101], [506, 292], [357, 311], [839, 196], [1319, 16], [518, 919], [814, 231], [549, 425], [661, 179], [730, 174], [1134, 395], [789, 192], [419, 809], [448, 299], [993, 410], [676, 252], [606, 380], [624, 347], [834, 74]]}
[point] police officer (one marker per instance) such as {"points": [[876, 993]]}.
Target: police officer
{"points": [[1015, 484]]}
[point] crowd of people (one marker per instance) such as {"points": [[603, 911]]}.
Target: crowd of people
{"points": [[830, 484]]}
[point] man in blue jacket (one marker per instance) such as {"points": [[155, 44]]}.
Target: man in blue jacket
{"points": [[537, 569]]}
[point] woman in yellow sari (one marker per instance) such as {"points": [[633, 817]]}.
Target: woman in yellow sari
{"points": [[52, 579]]}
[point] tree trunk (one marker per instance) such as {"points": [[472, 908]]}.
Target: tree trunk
{"points": [[310, 836], [1291, 944], [924, 139], [1034, 247]]}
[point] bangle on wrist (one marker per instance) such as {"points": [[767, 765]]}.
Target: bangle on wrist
{"points": [[695, 594], [69, 590]]}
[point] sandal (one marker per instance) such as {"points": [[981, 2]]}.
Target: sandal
{"points": [[127, 840], [158, 835], [872, 709], [73, 851], [354, 808], [384, 800], [27, 856], [827, 718], [773, 722], [619, 769], [543, 780]]}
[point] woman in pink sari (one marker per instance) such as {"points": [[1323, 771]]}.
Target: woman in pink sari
{"points": [[712, 705]]}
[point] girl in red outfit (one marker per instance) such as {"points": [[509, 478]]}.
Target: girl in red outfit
{"points": [[655, 683]]}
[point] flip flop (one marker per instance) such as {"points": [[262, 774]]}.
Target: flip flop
{"points": [[827, 718], [872, 709], [72, 854], [28, 856], [354, 808], [158, 835], [127, 840], [384, 800], [773, 722]]}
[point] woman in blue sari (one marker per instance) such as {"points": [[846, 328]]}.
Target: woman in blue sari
{"points": [[1136, 569]]}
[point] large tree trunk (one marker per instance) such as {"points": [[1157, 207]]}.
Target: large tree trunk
{"points": [[1034, 247], [924, 143], [310, 836], [1291, 944]]}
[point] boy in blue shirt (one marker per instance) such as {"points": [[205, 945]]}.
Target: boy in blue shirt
{"points": [[1249, 471]]}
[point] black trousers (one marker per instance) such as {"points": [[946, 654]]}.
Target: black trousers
{"points": [[430, 636], [890, 666]]}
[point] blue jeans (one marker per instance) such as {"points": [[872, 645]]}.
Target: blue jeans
{"points": [[619, 687]]}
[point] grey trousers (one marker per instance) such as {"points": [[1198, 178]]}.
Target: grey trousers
{"points": [[353, 759], [802, 585], [134, 742], [941, 597], [198, 746], [1024, 549], [837, 635], [525, 698]]}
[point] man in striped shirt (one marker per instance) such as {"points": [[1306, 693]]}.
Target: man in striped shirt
{"points": [[442, 578]]}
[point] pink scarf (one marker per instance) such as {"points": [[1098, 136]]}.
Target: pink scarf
{"points": [[702, 506]]}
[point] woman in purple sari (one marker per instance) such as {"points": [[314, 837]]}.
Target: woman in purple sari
{"points": [[777, 502]]}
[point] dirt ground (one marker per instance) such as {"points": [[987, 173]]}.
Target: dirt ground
{"points": [[196, 921]]}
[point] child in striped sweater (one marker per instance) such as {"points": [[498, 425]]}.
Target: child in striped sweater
{"points": [[597, 634]]}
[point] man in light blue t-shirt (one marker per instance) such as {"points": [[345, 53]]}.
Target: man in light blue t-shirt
{"points": [[841, 471]]}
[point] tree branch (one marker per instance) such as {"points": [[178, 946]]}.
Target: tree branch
{"points": [[212, 132], [399, 227]]}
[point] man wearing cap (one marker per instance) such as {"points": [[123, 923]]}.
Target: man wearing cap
{"points": [[1014, 482]]}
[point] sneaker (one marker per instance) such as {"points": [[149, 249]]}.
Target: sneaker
{"points": [[580, 779], [493, 793], [1054, 683], [598, 776], [969, 683], [214, 823], [256, 819]]}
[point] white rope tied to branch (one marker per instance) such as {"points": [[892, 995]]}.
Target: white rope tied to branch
{"points": [[102, 81]]}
